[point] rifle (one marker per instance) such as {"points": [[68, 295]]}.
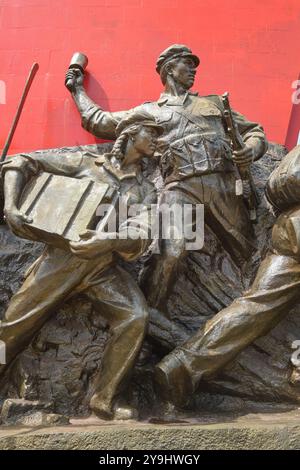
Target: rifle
{"points": [[244, 185], [28, 83]]}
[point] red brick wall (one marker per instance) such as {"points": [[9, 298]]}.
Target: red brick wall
{"points": [[249, 47]]}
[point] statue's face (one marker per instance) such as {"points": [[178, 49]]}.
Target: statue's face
{"points": [[183, 71], [145, 140]]}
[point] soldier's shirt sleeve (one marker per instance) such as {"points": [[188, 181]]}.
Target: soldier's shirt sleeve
{"points": [[101, 123], [25, 164], [31, 164], [253, 133]]}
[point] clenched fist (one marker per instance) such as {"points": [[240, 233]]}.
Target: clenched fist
{"points": [[243, 157], [74, 79]]}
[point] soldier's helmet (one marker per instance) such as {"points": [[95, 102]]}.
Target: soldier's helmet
{"points": [[173, 52]]}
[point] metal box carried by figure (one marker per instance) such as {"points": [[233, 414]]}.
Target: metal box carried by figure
{"points": [[61, 208]]}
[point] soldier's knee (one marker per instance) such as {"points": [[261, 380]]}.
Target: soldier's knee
{"points": [[140, 316]]}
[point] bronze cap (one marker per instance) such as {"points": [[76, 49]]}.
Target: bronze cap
{"points": [[173, 52]]}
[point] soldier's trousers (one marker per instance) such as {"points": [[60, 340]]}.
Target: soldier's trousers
{"points": [[224, 213], [273, 293], [114, 294]]}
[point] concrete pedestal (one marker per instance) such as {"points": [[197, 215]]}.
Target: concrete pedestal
{"points": [[253, 431]]}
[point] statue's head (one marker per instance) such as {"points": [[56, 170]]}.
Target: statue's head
{"points": [[141, 130], [178, 63]]}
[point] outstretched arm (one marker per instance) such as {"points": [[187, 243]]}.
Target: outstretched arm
{"points": [[95, 120]]}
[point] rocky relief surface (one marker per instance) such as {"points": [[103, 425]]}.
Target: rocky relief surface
{"points": [[53, 378]]}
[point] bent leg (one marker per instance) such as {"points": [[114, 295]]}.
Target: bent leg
{"points": [[119, 299], [227, 216], [161, 273], [49, 283], [273, 293], [162, 269]]}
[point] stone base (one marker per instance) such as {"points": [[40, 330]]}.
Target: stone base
{"points": [[259, 431]]}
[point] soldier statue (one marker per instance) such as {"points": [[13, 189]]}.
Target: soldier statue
{"points": [[196, 161], [274, 291], [89, 266]]}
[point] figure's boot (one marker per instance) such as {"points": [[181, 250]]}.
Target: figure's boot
{"points": [[124, 412], [104, 409], [173, 380]]}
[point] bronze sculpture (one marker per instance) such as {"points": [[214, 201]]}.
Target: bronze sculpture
{"points": [[195, 158], [273, 293], [91, 268], [196, 161]]}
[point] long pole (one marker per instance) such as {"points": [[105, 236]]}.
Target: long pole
{"points": [[29, 81]]}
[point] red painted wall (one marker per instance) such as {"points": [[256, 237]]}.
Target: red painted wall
{"points": [[248, 47]]}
